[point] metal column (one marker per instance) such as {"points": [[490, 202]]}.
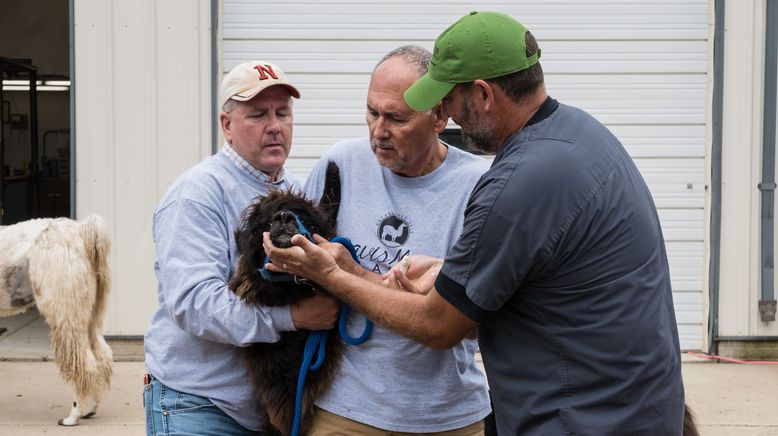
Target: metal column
{"points": [[767, 304]]}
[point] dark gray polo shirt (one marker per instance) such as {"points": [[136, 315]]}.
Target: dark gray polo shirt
{"points": [[562, 263]]}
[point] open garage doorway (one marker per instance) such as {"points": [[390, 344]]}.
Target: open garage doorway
{"points": [[36, 147]]}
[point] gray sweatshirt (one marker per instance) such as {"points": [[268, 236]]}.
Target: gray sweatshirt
{"points": [[192, 339]]}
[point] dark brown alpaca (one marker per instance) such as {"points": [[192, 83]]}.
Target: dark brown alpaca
{"points": [[274, 367], [689, 426]]}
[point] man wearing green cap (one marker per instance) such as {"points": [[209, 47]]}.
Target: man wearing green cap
{"points": [[561, 262]]}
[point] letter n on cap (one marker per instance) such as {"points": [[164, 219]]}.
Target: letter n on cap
{"points": [[264, 70]]}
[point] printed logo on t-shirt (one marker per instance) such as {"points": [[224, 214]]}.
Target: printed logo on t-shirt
{"points": [[393, 230]]}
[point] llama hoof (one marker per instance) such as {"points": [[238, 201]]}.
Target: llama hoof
{"points": [[89, 415], [68, 422]]}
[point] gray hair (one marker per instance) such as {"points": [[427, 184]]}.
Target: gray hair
{"points": [[415, 55], [229, 105]]}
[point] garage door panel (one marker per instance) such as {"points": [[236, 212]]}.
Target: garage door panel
{"points": [[670, 141], [615, 89], [570, 57], [557, 20], [682, 224], [341, 112], [552, 12], [638, 66], [652, 112], [690, 336], [689, 307]]}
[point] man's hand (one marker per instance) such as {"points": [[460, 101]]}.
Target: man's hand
{"points": [[419, 277], [303, 259], [341, 255], [319, 312]]}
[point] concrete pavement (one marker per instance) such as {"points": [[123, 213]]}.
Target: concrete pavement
{"points": [[728, 399], [33, 397], [732, 399]]}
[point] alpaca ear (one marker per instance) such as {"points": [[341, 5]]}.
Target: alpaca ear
{"points": [[243, 231], [240, 239], [330, 199], [245, 283], [247, 292]]}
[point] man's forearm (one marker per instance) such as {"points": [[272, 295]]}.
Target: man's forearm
{"points": [[405, 313], [428, 319], [365, 274]]}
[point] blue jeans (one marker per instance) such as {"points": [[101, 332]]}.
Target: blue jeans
{"points": [[173, 413]]}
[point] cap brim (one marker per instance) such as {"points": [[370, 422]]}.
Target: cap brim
{"points": [[251, 93], [426, 93]]}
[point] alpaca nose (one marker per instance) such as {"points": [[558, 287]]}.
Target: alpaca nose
{"points": [[287, 220], [286, 216]]}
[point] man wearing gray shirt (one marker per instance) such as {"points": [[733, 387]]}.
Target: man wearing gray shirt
{"points": [[403, 193], [197, 382]]}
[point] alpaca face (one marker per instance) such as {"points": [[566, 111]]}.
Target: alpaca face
{"points": [[283, 227], [277, 213]]}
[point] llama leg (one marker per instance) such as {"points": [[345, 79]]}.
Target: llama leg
{"points": [[104, 370], [71, 419], [91, 408], [90, 383], [90, 374], [67, 295], [77, 365], [73, 354], [81, 408], [99, 245]]}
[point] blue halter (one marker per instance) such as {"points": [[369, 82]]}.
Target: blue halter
{"points": [[315, 345]]}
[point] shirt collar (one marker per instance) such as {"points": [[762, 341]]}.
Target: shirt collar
{"points": [[544, 111], [248, 169]]}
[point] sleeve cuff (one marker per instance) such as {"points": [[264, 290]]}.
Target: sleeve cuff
{"points": [[281, 316], [456, 294]]}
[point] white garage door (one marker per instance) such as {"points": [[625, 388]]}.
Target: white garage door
{"points": [[638, 66]]}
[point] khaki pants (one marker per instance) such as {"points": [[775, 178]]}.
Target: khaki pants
{"points": [[330, 424]]}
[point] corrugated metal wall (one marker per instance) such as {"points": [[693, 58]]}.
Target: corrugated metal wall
{"points": [[639, 66], [142, 84], [743, 118]]}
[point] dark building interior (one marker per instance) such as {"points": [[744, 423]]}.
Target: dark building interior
{"points": [[35, 152]]}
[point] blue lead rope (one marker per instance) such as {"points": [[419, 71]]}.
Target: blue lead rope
{"points": [[316, 344], [317, 341], [344, 311]]}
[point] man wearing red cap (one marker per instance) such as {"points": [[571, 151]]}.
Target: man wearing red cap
{"points": [[197, 383], [561, 262]]}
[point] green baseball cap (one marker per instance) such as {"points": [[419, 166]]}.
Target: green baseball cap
{"points": [[481, 45]]}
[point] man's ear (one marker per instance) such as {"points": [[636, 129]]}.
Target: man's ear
{"points": [[440, 117], [483, 94], [225, 121]]}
